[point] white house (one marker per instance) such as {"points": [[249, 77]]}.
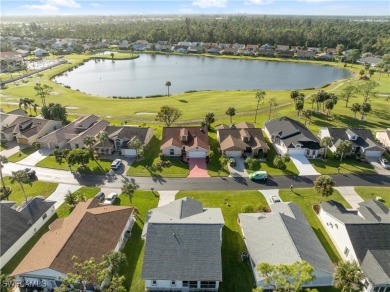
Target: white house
{"points": [[362, 140], [81, 234], [19, 224], [362, 236], [292, 137], [40, 53], [283, 237], [189, 142], [183, 247]]}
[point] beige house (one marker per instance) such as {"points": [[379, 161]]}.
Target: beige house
{"points": [[78, 141], [9, 61], [384, 137]]}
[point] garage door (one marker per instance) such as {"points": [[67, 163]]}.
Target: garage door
{"points": [[373, 154], [129, 152], [296, 151], [233, 153], [22, 141], [194, 154]]}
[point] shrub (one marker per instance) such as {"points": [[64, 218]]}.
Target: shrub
{"points": [[247, 209], [251, 162], [261, 208], [279, 163]]}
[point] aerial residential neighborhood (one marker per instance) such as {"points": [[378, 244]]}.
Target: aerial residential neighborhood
{"points": [[194, 146]]}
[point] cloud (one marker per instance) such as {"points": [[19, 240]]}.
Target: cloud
{"points": [[43, 8], [315, 1], [96, 5], [258, 2], [209, 3], [65, 3]]}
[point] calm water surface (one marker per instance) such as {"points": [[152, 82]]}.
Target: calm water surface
{"points": [[147, 75]]}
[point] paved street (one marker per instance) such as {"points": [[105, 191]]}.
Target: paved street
{"points": [[212, 183]]}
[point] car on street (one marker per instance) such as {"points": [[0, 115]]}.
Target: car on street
{"points": [[258, 175], [100, 196], [385, 163], [115, 164], [232, 161], [275, 199], [30, 172], [110, 199]]}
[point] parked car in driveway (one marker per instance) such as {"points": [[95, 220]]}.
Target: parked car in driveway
{"points": [[275, 199], [100, 196], [384, 162], [258, 175], [110, 199], [115, 164], [30, 172]]}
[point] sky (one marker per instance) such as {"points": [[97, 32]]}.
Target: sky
{"points": [[148, 7]]}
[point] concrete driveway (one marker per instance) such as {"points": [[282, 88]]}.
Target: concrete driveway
{"points": [[268, 194], [198, 167], [37, 156], [378, 167], [166, 197], [12, 148], [350, 195], [303, 164], [59, 194], [238, 170]]}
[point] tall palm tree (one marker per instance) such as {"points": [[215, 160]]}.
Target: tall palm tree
{"points": [[324, 186], [348, 277], [326, 142], [42, 90], [272, 104], [167, 84], [128, 189], [260, 95], [3, 160], [102, 137], [21, 177], [89, 141], [231, 111]]}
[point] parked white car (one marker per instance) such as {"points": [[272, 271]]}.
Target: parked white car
{"points": [[385, 163], [115, 164], [110, 199]]}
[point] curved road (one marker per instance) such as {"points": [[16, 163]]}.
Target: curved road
{"points": [[112, 180]]}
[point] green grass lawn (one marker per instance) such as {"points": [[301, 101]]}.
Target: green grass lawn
{"points": [[305, 198], [100, 166], [347, 165], [146, 167], [22, 154], [37, 188], [89, 192], [213, 166], [237, 275], [370, 193]]}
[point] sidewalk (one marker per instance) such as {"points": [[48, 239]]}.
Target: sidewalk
{"points": [[59, 194], [166, 197], [350, 195]]}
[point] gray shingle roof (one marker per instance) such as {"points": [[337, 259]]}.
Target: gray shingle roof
{"points": [[365, 138], [183, 242], [376, 266], [14, 224], [293, 133], [283, 236]]}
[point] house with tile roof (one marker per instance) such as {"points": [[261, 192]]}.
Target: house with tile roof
{"points": [[119, 138], [362, 236], [362, 140], [91, 230], [18, 224], [292, 137], [183, 247], [241, 139], [186, 142], [283, 237], [62, 136], [27, 130]]}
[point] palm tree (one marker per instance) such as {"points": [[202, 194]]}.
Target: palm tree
{"points": [[348, 277], [89, 141], [21, 177], [356, 108], [231, 111], [326, 142], [344, 148], [365, 109], [112, 56], [71, 199], [26, 103], [324, 186], [42, 90], [272, 104], [209, 119], [167, 84], [128, 189], [102, 137], [3, 160], [260, 95]]}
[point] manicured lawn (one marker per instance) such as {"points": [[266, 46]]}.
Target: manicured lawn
{"points": [[370, 193], [146, 167], [237, 275], [37, 188], [347, 165], [305, 198], [22, 154], [89, 192], [134, 248], [101, 166], [213, 166], [18, 257]]}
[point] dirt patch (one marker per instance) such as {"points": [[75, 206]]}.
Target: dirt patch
{"points": [[72, 107], [145, 113]]}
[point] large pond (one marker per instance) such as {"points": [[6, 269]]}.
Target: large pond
{"points": [[147, 75]]}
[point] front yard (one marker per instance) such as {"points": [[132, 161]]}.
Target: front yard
{"points": [[37, 188], [370, 193], [237, 275], [347, 166], [22, 154], [305, 198]]}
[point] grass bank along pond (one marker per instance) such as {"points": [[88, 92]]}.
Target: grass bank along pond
{"points": [[147, 75]]}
